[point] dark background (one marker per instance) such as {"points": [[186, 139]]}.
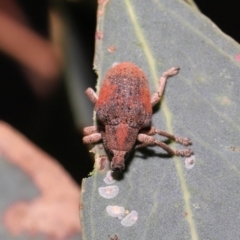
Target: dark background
{"points": [[49, 123]]}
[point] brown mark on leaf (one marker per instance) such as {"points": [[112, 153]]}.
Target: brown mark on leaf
{"points": [[235, 149], [225, 101], [99, 35], [102, 2], [237, 57], [127, 211], [115, 237], [103, 162], [111, 49], [100, 147], [101, 7]]}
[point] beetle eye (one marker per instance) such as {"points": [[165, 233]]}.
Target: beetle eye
{"points": [[111, 153], [126, 155]]}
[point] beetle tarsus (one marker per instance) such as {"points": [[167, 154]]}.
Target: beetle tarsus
{"points": [[184, 153], [171, 72], [183, 141]]}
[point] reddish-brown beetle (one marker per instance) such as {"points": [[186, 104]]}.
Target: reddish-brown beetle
{"points": [[124, 107]]}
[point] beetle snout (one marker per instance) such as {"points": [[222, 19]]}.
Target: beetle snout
{"points": [[117, 163], [117, 167]]}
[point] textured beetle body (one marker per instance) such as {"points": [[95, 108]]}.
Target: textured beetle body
{"points": [[124, 107]]}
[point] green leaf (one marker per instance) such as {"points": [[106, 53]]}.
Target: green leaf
{"points": [[202, 102]]}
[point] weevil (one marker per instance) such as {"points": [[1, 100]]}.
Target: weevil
{"points": [[124, 107]]}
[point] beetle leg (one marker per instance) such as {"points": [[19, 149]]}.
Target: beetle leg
{"points": [[91, 95], [148, 140], [92, 138], [182, 140], [92, 129], [92, 134], [155, 98]]}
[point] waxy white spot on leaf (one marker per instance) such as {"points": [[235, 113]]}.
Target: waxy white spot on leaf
{"points": [[109, 179], [190, 162], [130, 219], [115, 64], [115, 211], [108, 192]]}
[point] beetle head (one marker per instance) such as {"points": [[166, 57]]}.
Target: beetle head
{"points": [[117, 163]]}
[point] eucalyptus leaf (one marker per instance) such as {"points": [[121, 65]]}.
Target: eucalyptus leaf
{"points": [[202, 102]]}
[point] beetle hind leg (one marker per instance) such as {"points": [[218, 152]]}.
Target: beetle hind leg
{"points": [[148, 140], [182, 140]]}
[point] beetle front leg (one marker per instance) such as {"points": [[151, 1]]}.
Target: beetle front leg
{"points": [[92, 134], [93, 138], [182, 140], [148, 140], [92, 129], [91, 95], [155, 98]]}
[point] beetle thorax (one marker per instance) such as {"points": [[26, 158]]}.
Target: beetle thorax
{"points": [[120, 137]]}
